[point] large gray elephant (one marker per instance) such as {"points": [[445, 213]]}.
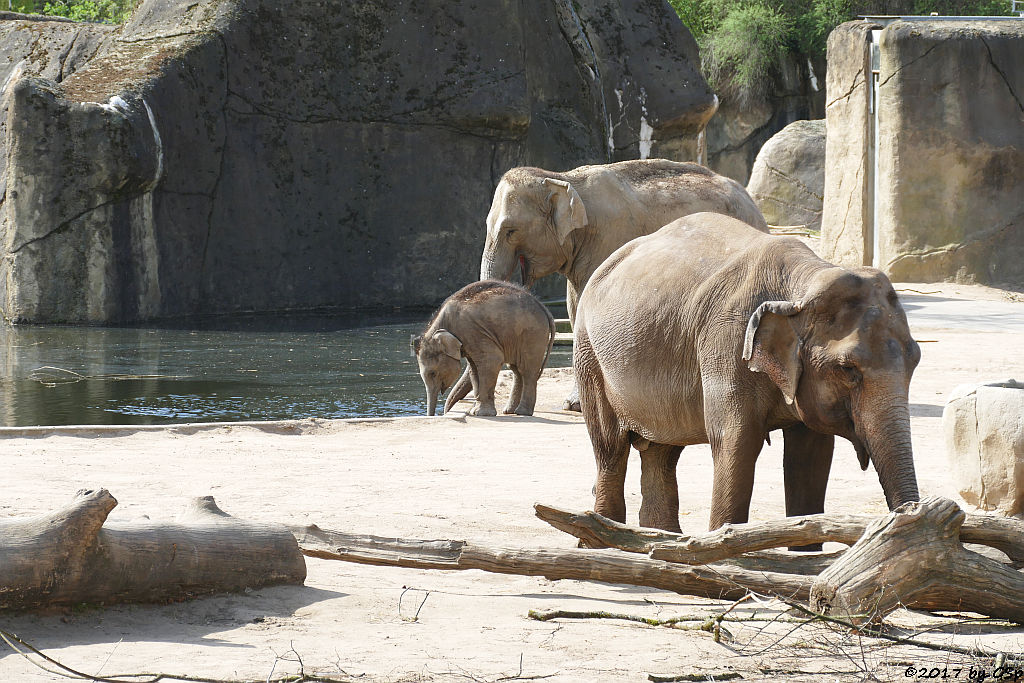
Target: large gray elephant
{"points": [[746, 334], [541, 222]]}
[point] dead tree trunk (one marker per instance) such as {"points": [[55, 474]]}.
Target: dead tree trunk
{"points": [[913, 557], [70, 556], [608, 566], [731, 540]]}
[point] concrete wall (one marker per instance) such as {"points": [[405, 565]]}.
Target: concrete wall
{"points": [[949, 203]]}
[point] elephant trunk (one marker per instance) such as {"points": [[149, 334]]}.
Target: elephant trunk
{"points": [[431, 401], [887, 437], [460, 390], [497, 263]]}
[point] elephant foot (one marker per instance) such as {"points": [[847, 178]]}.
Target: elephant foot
{"points": [[483, 411], [572, 401]]}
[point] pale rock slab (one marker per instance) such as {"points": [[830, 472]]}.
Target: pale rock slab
{"points": [[984, 429]]}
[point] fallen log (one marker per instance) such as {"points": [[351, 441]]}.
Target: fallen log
{"points": [[1003, 533], [913, 557], [597, 531], [607, 566], [73, 556]]}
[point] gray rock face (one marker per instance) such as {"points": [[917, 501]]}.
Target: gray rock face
{"points": [[238, 155], [950, 150], [788, 179], [984, 429]]}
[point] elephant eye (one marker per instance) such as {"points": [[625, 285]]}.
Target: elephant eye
{"points": [[852, 374], [509, 233]]}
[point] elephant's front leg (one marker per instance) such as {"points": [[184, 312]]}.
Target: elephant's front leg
{"points": [[806, 462], [659, 507], [734, 450], [486, 367]]}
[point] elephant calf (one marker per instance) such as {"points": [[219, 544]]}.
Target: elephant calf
{"points": [[709, 331], [490, 323]]}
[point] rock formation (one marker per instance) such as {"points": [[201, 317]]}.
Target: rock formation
{"points": [[215, 156], [938, 197], [984, 428], [738, 131], [788, 179]]}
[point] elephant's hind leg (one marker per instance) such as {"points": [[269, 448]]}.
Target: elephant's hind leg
{"points": [[806, 462], [516, 395], [609, 440], [660, 506]]}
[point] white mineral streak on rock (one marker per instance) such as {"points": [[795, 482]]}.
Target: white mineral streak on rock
{"points": [[810, 73], [646, 138], [115, 105], [13, 76], [646, 131], [159, 146]]}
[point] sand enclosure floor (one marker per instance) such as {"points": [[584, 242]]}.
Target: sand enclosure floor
{"points": [[472, 479]]}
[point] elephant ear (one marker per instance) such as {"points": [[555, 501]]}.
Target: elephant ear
{"points": [[771, 345], [567, 210], [450, 344]]}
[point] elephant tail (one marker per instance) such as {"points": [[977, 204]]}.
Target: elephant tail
{"points": [[551, 339], [460, 390]]}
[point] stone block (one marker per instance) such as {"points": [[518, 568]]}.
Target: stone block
{"points": [[938, 197], [846, 211], [984, 430]]}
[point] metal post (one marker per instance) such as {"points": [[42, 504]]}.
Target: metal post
{"points": [[876, 60]]}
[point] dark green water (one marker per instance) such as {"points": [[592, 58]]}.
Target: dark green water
{"points": [[254, 368]]}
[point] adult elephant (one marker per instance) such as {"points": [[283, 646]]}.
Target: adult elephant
{"points": [[543, 222], [746, 334]]}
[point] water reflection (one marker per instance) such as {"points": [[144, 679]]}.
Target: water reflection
{"points": [[214, 370]]}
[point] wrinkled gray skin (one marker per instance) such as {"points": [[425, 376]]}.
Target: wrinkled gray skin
{"points": [[747, 334], [542, 222], [490, 323]]}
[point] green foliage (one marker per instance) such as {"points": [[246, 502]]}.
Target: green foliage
{"points": [[741, 41], [740, 54], [107, 11]]}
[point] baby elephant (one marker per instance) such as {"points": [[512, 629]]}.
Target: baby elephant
{"points": [[490, 323]]}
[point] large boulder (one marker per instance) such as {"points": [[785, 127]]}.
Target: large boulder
{"points": [[984, 429], [788, 179], [216, 156]]}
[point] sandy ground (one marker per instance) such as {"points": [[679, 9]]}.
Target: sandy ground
{"points": [[473, 479]]}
